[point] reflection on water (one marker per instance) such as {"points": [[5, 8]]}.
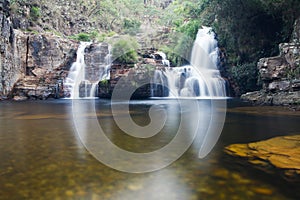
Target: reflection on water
{"points": [[194, 119], [42, 158]]}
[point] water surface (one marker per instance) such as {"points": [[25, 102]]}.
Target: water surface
{"points": [[42, 157]]}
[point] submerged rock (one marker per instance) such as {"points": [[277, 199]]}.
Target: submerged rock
{"points": [[279, 155]]}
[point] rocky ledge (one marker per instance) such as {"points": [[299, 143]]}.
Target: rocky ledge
{"points": [[280, 75], [280, 98], [279, 155]]}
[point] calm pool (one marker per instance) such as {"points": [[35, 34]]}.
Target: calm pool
{"points": [[42, 157]]}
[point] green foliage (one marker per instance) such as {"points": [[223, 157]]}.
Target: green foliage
{"points": [[178, 53], [104, 82], [184, 16], [294, 73], [149, 68], [124, 50], [246, 76], [110, 34], [131, 26], [85, 37], [102, 37], [17, 1], [55, 33], [93, 35], [183, 49], [35, 12], [248, 30], [113, 13], [190, 28]]}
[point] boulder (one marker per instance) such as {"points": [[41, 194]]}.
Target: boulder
{"points": [[273, 68]]}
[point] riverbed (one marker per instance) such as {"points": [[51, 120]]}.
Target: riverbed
{"points": [[42, 156]]}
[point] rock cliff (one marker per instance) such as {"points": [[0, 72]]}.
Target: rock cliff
{"points": [[32, 65], [280, 75], [10, 60], [36, 55], [45, 60]]}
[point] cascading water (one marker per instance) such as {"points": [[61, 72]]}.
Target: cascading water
{"points": [[202, 78], [76, 73], [164, 60], [83, 79]]}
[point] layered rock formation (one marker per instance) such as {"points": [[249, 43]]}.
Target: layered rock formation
{"points": [[278, 155], [280, 75]]}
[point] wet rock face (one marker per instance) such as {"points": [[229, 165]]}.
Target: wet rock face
{"points": [[278, 155]]}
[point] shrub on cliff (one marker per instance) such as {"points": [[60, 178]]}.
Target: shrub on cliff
{"points": [[246, 76], [124, 50], [35, 12], [131, 26]]}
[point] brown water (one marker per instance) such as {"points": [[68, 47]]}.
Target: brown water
{"points": [[42, 158]]}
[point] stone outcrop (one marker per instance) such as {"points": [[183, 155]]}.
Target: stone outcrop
{"points": [[97, 59], [45, 60], [280, 75], [134, 77], [282, 98], [31, 65], [279, 155], [128, 78], [10, 61]]}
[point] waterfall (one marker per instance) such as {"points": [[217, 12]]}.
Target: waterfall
{"points": [[200, 79], [164, 61], [76, 73], [83, 77]]}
